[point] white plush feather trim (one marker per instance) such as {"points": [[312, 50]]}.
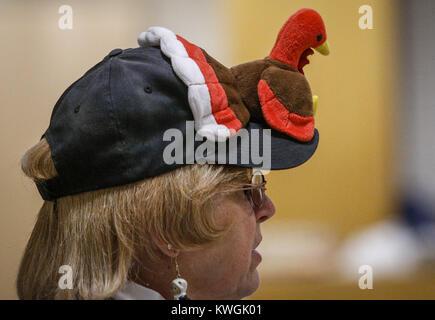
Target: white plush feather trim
{"points": [[188, 71]]}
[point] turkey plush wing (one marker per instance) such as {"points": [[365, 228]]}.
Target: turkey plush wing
{"points": [[286, 102]]}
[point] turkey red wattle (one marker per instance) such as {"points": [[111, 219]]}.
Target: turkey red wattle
{"points": [[303, 60]]}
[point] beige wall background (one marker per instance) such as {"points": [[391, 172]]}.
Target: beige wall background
{"points": [[345, 186]]}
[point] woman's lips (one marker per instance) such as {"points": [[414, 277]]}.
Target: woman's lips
{"points": [[256, 255], [257, 243]]}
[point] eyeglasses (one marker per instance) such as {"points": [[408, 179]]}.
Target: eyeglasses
{"points": [[256, 189]]}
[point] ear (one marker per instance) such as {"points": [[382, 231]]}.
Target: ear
{"points": [[165, 248]]}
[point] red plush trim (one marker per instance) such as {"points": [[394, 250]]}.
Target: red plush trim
{"points": [[218, 99], [279, 118]]}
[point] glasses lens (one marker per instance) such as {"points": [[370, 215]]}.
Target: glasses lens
{"points": [[257, 194]]}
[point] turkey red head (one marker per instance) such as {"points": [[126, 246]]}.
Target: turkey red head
{"points": [[303, 31]]}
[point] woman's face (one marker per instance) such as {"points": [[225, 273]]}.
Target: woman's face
{"points": [[227, 268]]}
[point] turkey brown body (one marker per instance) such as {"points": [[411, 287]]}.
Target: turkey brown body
{"points": [[288, 85]]}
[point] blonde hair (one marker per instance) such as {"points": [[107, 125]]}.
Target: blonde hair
{"points": [[100, 233]]}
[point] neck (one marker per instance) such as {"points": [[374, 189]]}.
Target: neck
{"points": [[288, 55], [156, 276]]}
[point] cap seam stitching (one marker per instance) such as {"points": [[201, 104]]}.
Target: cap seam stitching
{"points": [[113, 114]]}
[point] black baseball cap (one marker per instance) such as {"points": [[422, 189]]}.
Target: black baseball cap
{"points": [[111, 128]]}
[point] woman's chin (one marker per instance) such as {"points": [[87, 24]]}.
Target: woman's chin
{"points": [[253, 283], [257, 280]]}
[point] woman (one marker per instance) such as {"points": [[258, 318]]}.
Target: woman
{"points": [[132, 210], [119, 236]]}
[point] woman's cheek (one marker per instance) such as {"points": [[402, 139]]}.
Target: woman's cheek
{"points": [[246, 255]]}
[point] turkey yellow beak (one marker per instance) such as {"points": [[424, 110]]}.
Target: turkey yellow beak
{"points": [[323, 49]]}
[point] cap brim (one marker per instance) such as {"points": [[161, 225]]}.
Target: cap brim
{"points": [[286, 152]]}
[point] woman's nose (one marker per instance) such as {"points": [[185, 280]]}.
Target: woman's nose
{"points": [[266, 211]]}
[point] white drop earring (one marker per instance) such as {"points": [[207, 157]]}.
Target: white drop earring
{"points": [[178, 285]]}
